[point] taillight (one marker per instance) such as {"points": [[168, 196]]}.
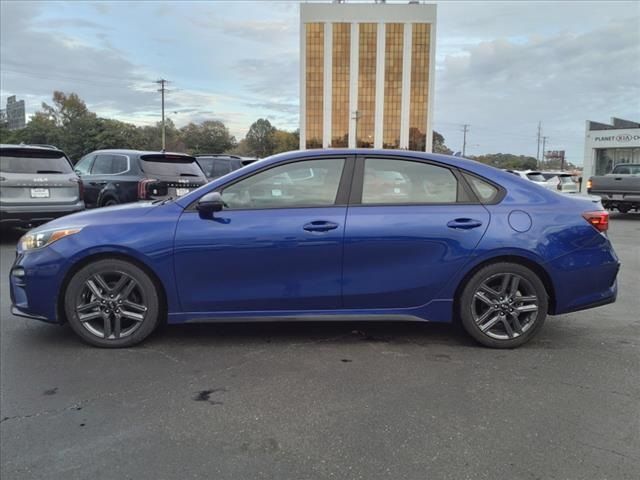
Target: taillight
{"points": [[80, 187], [598, 220], [142, 188], [589, 184]]}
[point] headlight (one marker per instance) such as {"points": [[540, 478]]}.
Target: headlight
{"points": [[41, 239]]}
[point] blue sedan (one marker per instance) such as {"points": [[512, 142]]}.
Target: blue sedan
{"points": [[325, 235]]}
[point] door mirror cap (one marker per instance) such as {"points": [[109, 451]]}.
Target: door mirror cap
{"points": [[210, 203]]}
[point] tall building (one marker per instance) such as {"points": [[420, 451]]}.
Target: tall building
{"points": [[367, 74], [14, 115]]}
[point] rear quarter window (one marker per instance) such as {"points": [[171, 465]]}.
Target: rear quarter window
{"points": [[485, 191]]}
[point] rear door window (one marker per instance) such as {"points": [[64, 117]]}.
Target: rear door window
{"points": [[102, 165], [13, 161], [221, 167]]}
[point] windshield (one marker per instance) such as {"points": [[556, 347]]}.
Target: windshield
{"points": [[29, 162]]}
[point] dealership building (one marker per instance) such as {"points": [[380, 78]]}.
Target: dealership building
{"points": [[608, 145], [367, 72]]}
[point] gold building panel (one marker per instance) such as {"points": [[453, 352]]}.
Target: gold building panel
{"points": [[314, 84], [340, 84], [419, 90], [394, 40], [365, 123]]}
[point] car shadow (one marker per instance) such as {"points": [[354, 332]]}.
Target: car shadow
{"points": [[338, 332]]}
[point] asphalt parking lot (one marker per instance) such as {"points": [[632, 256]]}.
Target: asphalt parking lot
{"points": [[328, 400]]}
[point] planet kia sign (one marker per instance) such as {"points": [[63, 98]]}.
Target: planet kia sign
{"points": [[621, 138]]}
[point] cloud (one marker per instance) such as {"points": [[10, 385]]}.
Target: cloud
{"points": [[262, 31], [502, 87]]}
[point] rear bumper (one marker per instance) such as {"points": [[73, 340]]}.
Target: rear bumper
{"points": [[585, 279], [24, 215]]}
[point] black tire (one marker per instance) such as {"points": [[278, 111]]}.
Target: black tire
{"points": [[108, 202], [141, 301], [624, 208], [522, 322]]}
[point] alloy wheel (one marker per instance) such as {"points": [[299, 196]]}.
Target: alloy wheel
{"points": [[505, 306], [111, 305]]}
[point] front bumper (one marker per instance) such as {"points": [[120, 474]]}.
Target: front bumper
{"points": [[25, 215], [34, 281]]}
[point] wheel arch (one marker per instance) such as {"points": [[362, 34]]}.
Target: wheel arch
{"points": [[110, 255], [532, 265]]}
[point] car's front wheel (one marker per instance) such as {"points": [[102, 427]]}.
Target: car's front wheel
{"points": [[503, 305], [112, 303]]}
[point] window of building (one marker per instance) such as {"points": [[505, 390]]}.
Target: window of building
{"points": [[394, 41], [405, 182], [365, 116], [419, 90], [340, 115], [314, 88]]}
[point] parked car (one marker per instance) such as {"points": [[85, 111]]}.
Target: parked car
{"points": [[111, 177], [310, 236], [37, 184], [531, 175], [561, 181], [619, 189], [217, 165]]}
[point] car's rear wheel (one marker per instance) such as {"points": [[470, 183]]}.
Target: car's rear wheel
{"points": [[108, 202], [112, 303], [503, 305]]}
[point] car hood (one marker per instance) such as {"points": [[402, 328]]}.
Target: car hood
{"points": [[104, 215]]}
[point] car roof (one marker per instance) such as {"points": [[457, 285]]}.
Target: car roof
{"points": [[125, 151], [27, 146]]}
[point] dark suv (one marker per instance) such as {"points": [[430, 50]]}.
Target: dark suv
{"points": [[37, 184], [111, 177], [216, 165]]}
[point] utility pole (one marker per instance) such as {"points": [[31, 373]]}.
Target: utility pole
{"points": [[544, 143], [465, 129], [162, 82], [538, 147]]}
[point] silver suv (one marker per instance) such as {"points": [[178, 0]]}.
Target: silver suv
{"points": [[37, 184]]}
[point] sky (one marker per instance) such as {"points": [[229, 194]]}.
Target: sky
{"points": [[501, 67]]}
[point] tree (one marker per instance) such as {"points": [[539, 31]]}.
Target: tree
{"points": [[260, 138], [286, 141], [507, 160], [438, 144], [211, 136], [66, 108]]}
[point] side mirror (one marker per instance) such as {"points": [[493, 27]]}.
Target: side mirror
{"points": [[210, 203], [78, 172]]}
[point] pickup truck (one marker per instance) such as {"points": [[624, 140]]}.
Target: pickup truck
{"points": [[619, 189]]}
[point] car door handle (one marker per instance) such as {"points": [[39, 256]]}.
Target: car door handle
{"points": [[320, 226], [464, 223], [97, 184]]}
